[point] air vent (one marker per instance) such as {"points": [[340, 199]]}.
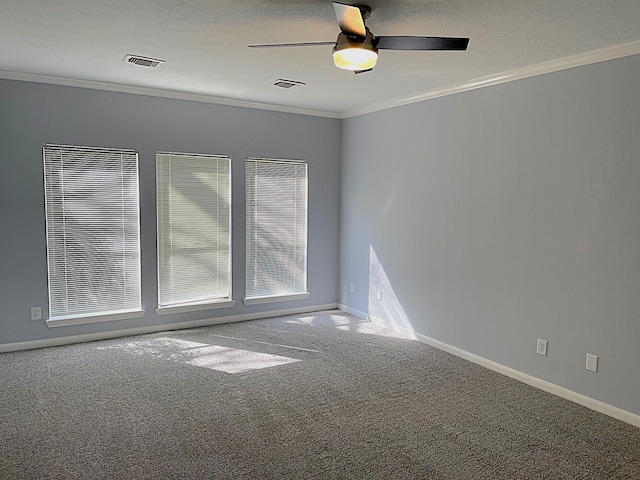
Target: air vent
{"points": [[282, 83], [142, 61]]}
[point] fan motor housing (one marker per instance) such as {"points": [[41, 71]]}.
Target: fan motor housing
{"points": [[365, 10], [350, 41]]}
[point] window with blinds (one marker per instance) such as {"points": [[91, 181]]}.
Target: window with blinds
{"points": [[194, 231], [276, 210], [93, 233]]}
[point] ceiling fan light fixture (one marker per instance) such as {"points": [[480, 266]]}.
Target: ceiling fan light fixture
{"points": [[355, 53], [356, 48], [355, 57]]}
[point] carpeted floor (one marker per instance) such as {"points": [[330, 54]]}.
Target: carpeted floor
{"points": [[314, 396]]}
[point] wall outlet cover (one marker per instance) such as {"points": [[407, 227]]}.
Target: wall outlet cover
{"points": [[592, 363], [541, 348], [36, 313]]}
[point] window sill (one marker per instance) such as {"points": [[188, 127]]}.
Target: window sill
{"points": [[275, 298], [194, 307], [103, 317]]}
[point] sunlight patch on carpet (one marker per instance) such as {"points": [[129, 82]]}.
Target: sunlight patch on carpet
{"points": [[213, 357], [348, 324]]}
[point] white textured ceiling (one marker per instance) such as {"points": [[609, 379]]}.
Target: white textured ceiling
{"points": [[204, 43]]}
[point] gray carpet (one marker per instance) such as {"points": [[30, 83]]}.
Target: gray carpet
{"points": [[307, 396]]}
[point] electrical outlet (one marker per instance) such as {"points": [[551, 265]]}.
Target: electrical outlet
{"points": [[541, 349], [352, 288], [36, 313], [592, 363], [379, 295]]}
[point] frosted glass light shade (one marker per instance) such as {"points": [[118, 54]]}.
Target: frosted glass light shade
{"points": [[355, 58]]}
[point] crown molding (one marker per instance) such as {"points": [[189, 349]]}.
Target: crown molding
{"points": [[157, 92], [595, 56]]}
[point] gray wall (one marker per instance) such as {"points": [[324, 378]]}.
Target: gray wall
{"points": [[496, 216], [34, 114]]}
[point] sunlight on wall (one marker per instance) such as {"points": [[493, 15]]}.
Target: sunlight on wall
{"points": [[213, 357], [384, 306]]}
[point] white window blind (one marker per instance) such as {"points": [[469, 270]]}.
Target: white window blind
{"points": [[194, 235], [93, 231], [276, 209]]}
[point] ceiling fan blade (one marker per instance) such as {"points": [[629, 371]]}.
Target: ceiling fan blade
{"points": [[300, 44], [421, 43], [350, 19]]}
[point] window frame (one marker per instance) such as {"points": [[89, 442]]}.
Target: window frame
{"points": [[50, 201], [207, 304], [285, 297]]}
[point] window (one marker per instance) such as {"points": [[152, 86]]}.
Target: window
{"points": [[93, 234], [194, 235], [276, 199]]}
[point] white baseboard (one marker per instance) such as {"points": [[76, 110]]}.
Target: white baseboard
{"points": [[353, 311], [548, 387], [406, 332], [565, 393], [56, 342]]}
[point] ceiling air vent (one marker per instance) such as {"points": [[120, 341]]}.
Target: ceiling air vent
{"points": [[142, 61], [282, 83]]}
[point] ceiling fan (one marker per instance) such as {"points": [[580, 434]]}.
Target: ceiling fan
{"points": [[357, 48]]}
